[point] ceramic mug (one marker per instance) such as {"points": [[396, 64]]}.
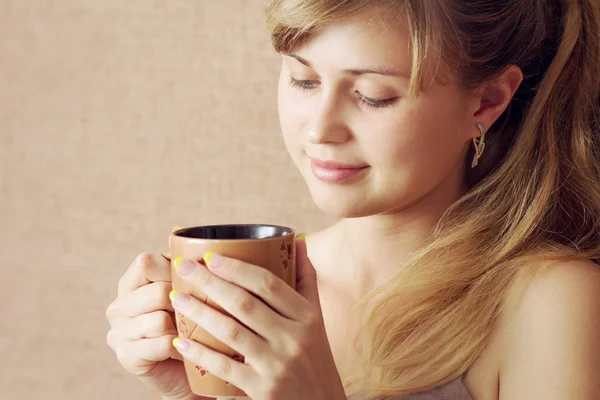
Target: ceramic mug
{"points": [[268, 246]]}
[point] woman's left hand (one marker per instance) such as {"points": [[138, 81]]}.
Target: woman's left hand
{"points": [[286, 350]]}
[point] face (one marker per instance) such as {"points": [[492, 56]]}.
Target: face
{"points": [[361, 146]]}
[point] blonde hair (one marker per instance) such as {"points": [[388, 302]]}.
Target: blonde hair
{"points": [[535, 195]]}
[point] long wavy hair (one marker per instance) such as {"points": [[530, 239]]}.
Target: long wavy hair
{"points": [[533, 199]]}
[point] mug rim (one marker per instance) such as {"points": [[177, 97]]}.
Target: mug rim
{"points": [[180, 233]]}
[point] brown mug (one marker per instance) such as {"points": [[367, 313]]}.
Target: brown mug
{"points": [[268, 246]]}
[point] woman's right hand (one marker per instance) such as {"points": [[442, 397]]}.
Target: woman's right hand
{"points": [[142, 328]]}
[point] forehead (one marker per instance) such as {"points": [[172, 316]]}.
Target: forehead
{"points": [[365, 39]]}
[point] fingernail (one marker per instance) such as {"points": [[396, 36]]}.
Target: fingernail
{"points": [[184, 267], [178, 299], [176, 263], [181, 344], [214, 260], [301, 237]]}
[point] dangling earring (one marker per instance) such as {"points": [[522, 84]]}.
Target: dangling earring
{"points": [[479, 146]]}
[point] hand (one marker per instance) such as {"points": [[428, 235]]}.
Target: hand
{"points": [[281, 335], [142, 328]]}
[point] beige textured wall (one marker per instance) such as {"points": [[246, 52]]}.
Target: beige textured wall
{"points": [[118, 120]]}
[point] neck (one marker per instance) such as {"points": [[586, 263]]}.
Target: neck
{"points": [[378, 246]]}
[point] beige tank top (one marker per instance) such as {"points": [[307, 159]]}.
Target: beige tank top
{"points": [[453, 390]]}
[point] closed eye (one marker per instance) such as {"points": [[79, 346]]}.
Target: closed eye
{"points": [[374, 102], [306, 84], [303, 84]]}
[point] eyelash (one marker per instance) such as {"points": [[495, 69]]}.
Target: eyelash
{"points": [[308, 85]]}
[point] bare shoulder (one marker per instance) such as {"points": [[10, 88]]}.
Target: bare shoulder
{"points": [[550, 348]]}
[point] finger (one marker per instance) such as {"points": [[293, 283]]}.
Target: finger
{"points": [[234, 372], [222, 327], [259, 281], [306, 275], [247, 308], [146, 326], [146, 299], [136, 356], [146, 268]]}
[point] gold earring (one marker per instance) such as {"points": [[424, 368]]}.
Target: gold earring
{"points": [[479, 146]]}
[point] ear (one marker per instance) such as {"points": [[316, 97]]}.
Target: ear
{"points": [[492, 98]]}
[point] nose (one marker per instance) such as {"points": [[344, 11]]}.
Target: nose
{"points": [[327, 124]]}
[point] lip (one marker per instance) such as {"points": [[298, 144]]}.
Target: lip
{"points": [[334, 172], [334, 165]]}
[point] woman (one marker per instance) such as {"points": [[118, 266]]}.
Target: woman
{"points": [[459, 146]]}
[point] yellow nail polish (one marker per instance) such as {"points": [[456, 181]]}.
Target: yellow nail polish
{"points": [[176, 228], [301, 237], [173, 294], [181, 345], [176, 263], [207, 257]]}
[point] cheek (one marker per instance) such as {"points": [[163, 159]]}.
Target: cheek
{"points": [[422, 144], [290, 118]]}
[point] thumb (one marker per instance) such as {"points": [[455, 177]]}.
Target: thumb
{"points": [[306, 275]]}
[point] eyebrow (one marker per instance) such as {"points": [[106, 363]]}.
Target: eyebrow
{"points": [[358, 72]]}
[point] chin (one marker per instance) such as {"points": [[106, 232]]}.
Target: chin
{"points": [[341, 203], [340, 200]]}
